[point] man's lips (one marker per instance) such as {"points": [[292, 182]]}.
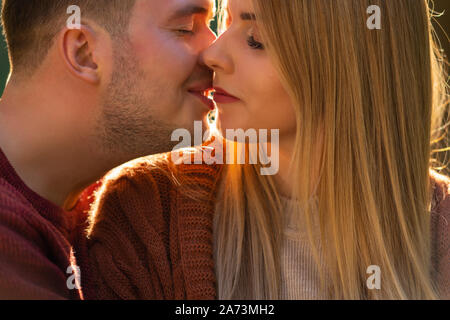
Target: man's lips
{"points": [[221, 96], [202, 94]]}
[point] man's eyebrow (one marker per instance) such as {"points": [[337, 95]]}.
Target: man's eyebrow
{"points": [[248, 16], [189, 11]]}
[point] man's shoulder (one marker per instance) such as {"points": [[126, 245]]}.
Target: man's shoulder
{"points": [[18, 218], [26, 270], [13, 202]]}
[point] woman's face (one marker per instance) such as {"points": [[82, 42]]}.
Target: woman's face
{"points": [[249, 93]]}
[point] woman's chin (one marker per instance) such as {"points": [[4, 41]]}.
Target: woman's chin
{"points": [[232, 121], [232, 126]]}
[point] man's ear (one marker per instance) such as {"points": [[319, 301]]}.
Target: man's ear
{"points": [[78, 49]]}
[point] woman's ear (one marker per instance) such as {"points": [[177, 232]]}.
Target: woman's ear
{"points": [[78, 49]]}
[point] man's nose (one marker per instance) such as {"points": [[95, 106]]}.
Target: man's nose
{"points": [[209, 39], [216, 57]]}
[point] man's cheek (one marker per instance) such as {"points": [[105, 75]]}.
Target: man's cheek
{"points": [[183, 55], [176, 66]]}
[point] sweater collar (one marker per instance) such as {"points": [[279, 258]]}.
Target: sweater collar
{"points": [[44, 207]]}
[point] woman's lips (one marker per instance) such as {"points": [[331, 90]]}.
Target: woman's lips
{"points": [[221, 96]]}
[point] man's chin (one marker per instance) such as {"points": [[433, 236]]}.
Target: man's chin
{"points": [[195, 112]]}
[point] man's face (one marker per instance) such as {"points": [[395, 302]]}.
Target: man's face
{"points": [[158, 78]]}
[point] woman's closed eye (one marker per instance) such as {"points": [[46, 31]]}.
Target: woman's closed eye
{"points": [[252, 43]]}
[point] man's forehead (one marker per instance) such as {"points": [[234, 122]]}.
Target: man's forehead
{"points": [[180, 5], [165, 11]]}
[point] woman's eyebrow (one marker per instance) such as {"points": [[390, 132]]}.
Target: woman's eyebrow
{"points": [[248, 16]]}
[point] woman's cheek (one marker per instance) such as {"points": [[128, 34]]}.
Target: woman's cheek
{"points": [[274, 107]]}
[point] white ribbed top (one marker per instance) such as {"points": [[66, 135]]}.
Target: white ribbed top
{"points": [[299, 272]]}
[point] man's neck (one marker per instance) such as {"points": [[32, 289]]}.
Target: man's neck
{"points": [[51, 164]]}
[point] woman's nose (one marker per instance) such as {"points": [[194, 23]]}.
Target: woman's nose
{"points": [[217, 58]]}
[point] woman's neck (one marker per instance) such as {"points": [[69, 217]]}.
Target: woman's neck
{"points": [[285, 179]]}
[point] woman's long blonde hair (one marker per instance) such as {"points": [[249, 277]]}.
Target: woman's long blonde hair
{"points": [[378, 98]]}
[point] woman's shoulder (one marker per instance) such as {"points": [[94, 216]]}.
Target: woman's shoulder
{"points": [[440, 186], [440, 230], [159, 173], [136, 175], [133, 220], [440, 208], [153, 181]]}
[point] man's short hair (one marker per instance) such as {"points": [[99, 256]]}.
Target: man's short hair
{"points": [[31, 25]]}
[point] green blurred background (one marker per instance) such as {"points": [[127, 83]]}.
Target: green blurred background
{"points": [[4, 63]]}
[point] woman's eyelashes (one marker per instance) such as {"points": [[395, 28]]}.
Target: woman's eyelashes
{"points": [[252, 43], [251, 39]]}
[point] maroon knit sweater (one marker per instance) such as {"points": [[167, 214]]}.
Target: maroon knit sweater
{"points": [[38, 243]]}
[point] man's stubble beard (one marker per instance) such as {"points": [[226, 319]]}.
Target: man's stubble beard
{"points": [[129, 127]]}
